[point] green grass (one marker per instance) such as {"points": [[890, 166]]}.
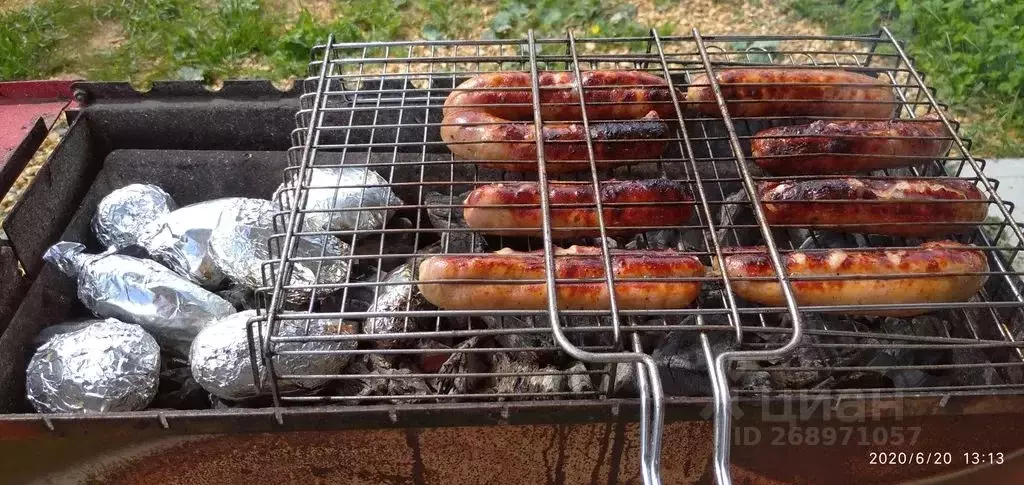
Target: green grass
{"points": [[213, 40], [972, 52], [28, 37]]}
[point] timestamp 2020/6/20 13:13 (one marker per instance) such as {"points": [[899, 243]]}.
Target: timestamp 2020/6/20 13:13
{"points": [[935, 458]]}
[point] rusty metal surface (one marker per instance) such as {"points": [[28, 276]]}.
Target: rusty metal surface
{"points": [[584, 454], [24, 105]]}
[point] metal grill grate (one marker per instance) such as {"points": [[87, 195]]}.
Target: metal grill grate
{"points": [[379, 106]]}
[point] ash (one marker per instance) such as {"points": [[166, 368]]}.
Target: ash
{"points": [[572, 380], [394, 379], [458, 364]]}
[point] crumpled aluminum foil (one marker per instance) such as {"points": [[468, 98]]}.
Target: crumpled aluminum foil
{"points": [[105, 366], [239, 247], [122, 213], [140, 291], [180, 240], [393, 298], [48, 333], [331, 192], [221, 361]]}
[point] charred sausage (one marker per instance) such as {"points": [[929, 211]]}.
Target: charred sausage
{"points": [[935, 273], [847, 147], [895, 207], [512, 146], [488, 118], [761, 92], [628, 207], [576, 262]]}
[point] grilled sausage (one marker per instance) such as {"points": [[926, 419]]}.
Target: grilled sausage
{"points": [[609, 95], [488, 118], [945, 263], [895, 207], [847, 147], [756, 92], [574, 262], [636, 204], [496, 143]]}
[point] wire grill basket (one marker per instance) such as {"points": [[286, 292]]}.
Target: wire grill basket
{"points": [[372, 116]]}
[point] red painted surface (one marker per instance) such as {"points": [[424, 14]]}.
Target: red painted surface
{"points": [[24, 102]]}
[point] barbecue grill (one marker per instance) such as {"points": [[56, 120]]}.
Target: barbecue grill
{"points": [[379, 106]]}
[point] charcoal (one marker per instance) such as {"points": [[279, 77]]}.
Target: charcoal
{"points": [[400, 243], [820, 239], [667, 239], [432, 362], [922, 326], [749, 376], [178, 390], [391, 382], [899, 359], [354, 298], [813, 358], [546, 340], [451, 217], [626, 384], [736, 210], [460, 363], [682, 365], [970, 376], [514, 340], [241, 297], [502, 362], [596, 242], [579, 381]]}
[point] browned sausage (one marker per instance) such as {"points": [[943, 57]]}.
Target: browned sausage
{"points": [[609, 95], [575, 262], [895, 207], [496, 143], [945, 263], [846, 147], [758, 92], [488, 118], [628, 207]]}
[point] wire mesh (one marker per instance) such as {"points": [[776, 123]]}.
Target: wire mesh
{"points": [[377, 110]]}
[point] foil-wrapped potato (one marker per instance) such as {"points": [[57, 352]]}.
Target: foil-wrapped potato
{"points": [[180, 240], [171, 308], [122, 213], [239, 247], [335, 195], [221, 360], [106, 365]]}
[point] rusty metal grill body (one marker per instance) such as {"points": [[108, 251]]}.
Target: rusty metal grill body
{"points": [[378, 106]]}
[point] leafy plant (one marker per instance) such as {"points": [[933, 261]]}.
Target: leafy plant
{"points": [[972, 52]]}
